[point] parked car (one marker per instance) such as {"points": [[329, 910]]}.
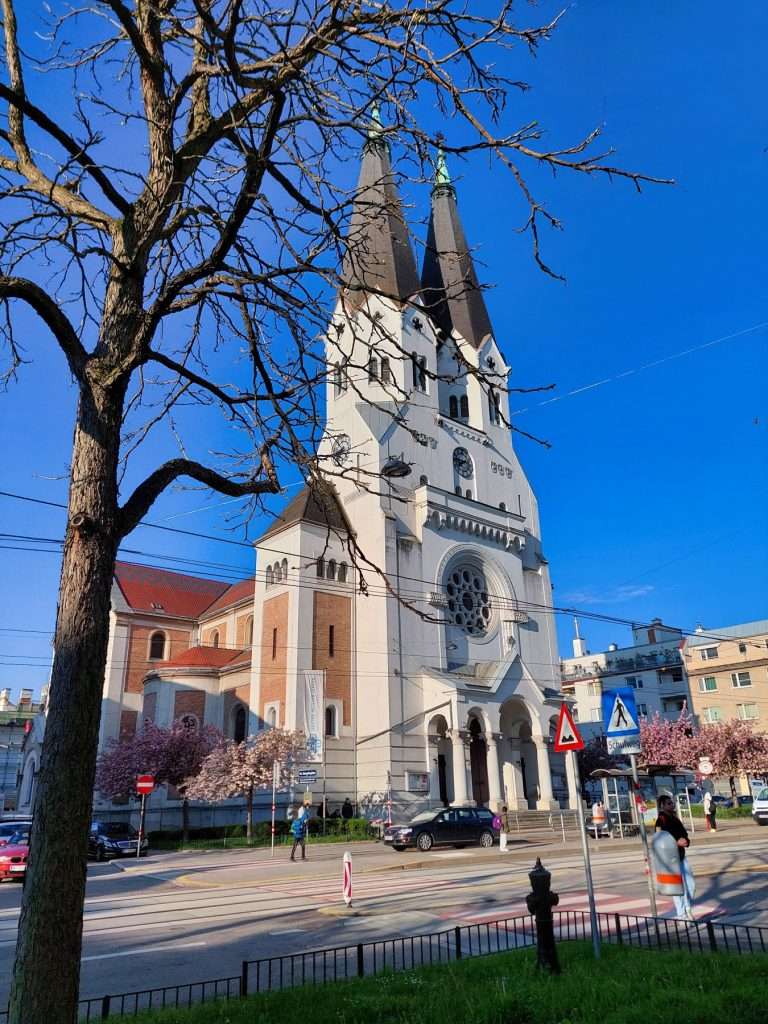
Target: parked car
{"points": [[721, 801], [13, 856], [743, 801], [114, 839], [760, 807], [452, 826]]}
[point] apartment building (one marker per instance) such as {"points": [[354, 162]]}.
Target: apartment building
{"points": [[728, 673]]}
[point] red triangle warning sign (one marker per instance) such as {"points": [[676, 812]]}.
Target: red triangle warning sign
{"points": [[567, 736]]}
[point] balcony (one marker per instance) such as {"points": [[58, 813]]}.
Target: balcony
{"points": [[618, 663], [443, 510]]}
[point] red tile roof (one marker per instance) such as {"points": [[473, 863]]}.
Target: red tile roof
{"points": [[157, 590], [237, 592], [203, 657]]}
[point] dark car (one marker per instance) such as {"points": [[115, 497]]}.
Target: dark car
{"points": [[453, 826], [113, 839]]}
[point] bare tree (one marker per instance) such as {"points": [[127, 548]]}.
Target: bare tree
{"points": [[174, 223]]}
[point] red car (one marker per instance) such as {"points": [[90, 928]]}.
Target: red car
{"points": [[13, 857]]}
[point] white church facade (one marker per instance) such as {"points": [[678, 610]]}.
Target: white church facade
{"points": [[412, 582]]}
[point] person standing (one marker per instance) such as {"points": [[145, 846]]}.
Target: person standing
{"points": [[299, 827], [668, 821], [710, 812], [347, 810]]}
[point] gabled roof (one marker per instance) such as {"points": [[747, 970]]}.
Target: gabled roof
{"points": [[378, 256], [147, 589], [231, 596], [311, 506], [450, 288], [202, 657]]}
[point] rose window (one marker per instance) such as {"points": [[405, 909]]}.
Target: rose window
{"points": [[469, 604]]}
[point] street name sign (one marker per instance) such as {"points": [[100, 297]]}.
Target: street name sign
{"points": [[622, 723], [306, 776], [567, 736]]}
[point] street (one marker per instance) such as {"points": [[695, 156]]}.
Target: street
{"points": [[174, 918]]}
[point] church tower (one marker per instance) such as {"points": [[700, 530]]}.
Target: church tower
{"points": [[456, 671]]}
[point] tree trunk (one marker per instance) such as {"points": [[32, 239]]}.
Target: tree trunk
{"points": [[734, 794], [249, 815], [184, 820], [47, 967]]}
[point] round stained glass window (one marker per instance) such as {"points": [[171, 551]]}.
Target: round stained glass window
{"points": [[469, 603]]}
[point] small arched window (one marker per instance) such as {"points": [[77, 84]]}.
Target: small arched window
{"points": [[272, 718], [423, 481], [248, 632], [284, 568], [330, 720], [494, 406], [270, 577], [215, 638], [320, 567], [239, 724], [330, 572], [386, 373], [453, 407], [503, 506], [341, 572], [278, 572], [157, 646], [457, 489], [467, 494], [464, 407], [373, 368]]}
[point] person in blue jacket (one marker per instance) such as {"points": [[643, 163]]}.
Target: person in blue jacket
{"points": [[299, 827]]}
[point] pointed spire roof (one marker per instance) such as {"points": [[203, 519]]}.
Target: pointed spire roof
{"points": [[379, 257], [449, 283]]}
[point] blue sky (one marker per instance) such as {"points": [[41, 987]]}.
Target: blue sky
{"points": [[653, 494]]}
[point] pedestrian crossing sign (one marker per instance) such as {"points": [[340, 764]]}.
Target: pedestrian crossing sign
{"points": [[621, 721], [567, 736]]}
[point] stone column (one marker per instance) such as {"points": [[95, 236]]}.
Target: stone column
{"points": [[460, 792], [513, 782], [494, 784], [574, 797], [546, 801]]}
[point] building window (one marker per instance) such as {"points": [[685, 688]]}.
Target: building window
{"points": [[494, 406], [272, 717], [386, 373], [269, 576], [469, 603], [330, 572], [634, 682], [677, 675], [341, 573], [707, 684], [339, 378], [249, 631], [453, 407], [708, 653], [594, 690], [330, 642], [740, 679], [419, 364], [330, 720], [239, 724], [747, 711], [157, 646], [464, 407], [373, 368], [274, 642], [468, 494], [320, 567], [712, 715], [642, 709], [215, 638], [742, 648], [284, 568], [594, 715]]}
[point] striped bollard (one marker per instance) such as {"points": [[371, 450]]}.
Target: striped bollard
{"points": [[347, 890]]}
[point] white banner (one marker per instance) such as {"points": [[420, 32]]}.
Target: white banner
{"points": [[314, 714]]}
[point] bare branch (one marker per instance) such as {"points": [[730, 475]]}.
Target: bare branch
{"points": [[50, 312]]}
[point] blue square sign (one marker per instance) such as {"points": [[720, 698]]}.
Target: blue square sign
{"points": [[621, 721]]}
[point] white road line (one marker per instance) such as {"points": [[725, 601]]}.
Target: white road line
{"points": [[289, 931], [145, 949]]}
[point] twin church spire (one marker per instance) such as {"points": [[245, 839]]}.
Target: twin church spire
{"points": [[379, 257]]}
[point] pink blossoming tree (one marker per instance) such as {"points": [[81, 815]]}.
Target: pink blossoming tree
{"points": [[239, 769], [173, 756], [669, 744], [734, 748]]}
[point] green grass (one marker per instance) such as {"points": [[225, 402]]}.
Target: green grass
{"points": [[628, 987]]}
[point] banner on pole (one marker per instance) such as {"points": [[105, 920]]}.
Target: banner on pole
{"points": [[314, 714]]}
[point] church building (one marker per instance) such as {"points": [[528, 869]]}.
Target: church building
{"points": [[405, 604]]}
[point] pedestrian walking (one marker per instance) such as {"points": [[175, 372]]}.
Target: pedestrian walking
{"points": [[299, 827], [710, 812], [668, 821], [347, 810]]}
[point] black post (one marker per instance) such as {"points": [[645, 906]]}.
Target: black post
{"points": [[244, 979], [105, 1006], [540, 902], [711, 936], [360, 960], [457, 934]]}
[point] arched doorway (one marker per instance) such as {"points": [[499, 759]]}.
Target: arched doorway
{"points": [[518, 756], [441, 761], [478, 759]]}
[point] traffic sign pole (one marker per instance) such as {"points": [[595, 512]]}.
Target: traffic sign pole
{"points": [[644, 838], [141, 824], [274, 801], [587, 866], [144, 786]]}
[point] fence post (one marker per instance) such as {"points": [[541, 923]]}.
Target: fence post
{"points": [[457, 934], [244, 980], [711, 936], [105, 1004], [360, 960], [617, 925]]}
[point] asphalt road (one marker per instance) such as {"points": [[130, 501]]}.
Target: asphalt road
{"points": [[175, 918]]}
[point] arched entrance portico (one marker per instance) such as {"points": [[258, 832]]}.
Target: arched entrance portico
{"points": [[478, 760], [525, 760]]}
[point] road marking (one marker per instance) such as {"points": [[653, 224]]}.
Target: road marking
{"points": [[289, 931], [145, 949]]}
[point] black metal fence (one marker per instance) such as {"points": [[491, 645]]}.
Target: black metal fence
{"points": [[365, 959]]}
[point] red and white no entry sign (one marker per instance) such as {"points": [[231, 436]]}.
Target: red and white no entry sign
{"points": [[145, 784]]}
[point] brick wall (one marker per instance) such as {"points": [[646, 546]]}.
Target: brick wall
{"points": [[243, 631], [208, 635], [334, 610], [189, 702], [177, 640], [273, 670]]}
